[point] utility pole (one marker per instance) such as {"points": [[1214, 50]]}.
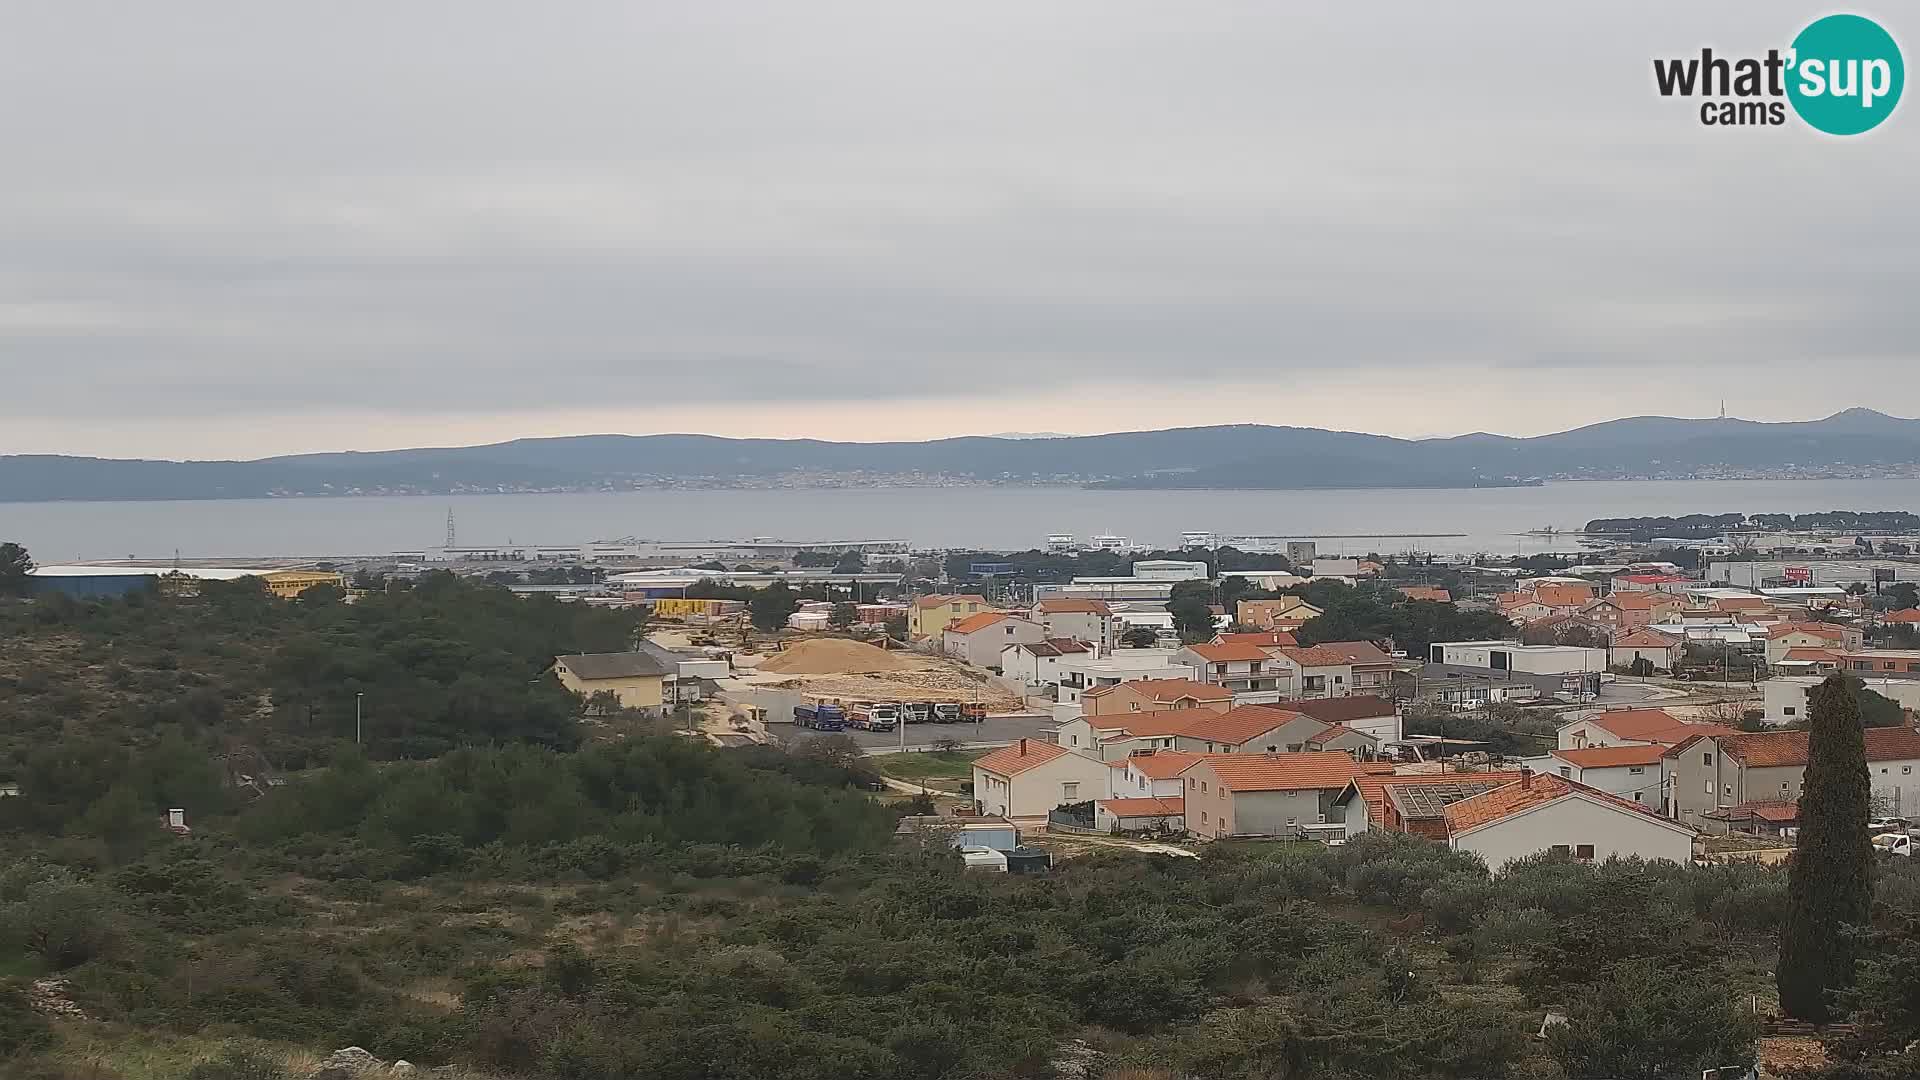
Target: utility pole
{"points": [[357, 699]]}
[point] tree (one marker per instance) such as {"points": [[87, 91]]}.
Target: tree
{"points": [[1829, 885], [1904, 594], [897, 627], [1640, 1021], [1139, 637], [1190, 606], [771, 607], [15, 568], [851, 562], [843, 615], [1884, 1003]]}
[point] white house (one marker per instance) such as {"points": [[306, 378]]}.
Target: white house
{"points": [[1374, 716], [1631, 727], [1030, 778], [977, 640], [1248, 671], [1150, 773], [1037, 663], [1090, 621], [1551, 813], [1087, 671], [1140, 815], [1316, 671], [1633, 772], [1646, 644]]}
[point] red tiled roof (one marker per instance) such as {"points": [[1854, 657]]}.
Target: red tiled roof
{"points": [[1268, 638], [1904, 615], [1529, 792], [1315, 656], [1808, 652], [1331, 733], [1281, 772], [1357, 652], [1373, 788], [1343, 710], [1563, 595], [1611, 757], [1773, 749], [1053, 647], [1236, 726], [1170, 806], [1638, 600], [1148, 725], [1653, 725], [1021, 756], [1160, 764], [973, 623], [1822, 630], [1426, 592], [1065, 606], [1167, 690], [1230, 652]]}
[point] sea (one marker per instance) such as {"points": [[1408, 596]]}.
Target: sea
{"points": [[1499, 521]]}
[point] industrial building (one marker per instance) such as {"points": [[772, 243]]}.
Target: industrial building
{"points": [[83, 581]]}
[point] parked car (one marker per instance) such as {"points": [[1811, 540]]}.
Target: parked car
{"points": [[1894, 843]]}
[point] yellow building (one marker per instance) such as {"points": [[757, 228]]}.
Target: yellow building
{"points": [[289, 584], [637, 679], [930, 615]]}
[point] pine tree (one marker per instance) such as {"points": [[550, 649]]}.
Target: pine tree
{"points": [[1830, 884]]}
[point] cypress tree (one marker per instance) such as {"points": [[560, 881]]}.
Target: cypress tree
{"points": [[1829, 885]]}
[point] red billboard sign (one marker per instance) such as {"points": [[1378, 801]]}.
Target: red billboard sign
{"points": [[1799, 573]]}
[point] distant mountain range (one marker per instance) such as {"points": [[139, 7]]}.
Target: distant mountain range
{"points": [[1251, 456]]}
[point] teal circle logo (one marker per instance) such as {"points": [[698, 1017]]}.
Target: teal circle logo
{"points": [[1846, 75]]}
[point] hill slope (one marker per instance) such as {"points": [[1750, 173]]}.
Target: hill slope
{"points": [[1228, 456]]}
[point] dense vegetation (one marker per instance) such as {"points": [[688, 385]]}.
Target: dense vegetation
{"points": [[166, 700], [1379, 613], [1700, 526]]}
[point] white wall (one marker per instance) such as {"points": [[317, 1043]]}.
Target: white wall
{"points": [[1573, 820], [1037, 790]]}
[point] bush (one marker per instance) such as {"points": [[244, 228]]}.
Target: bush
{"points": [[22, 1029], [239, 1063], [53, 914]]}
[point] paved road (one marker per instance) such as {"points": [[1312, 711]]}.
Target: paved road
{"points": [[994, 731]]}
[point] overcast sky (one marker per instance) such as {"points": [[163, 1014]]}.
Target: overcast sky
{"points": [[230, 228]]}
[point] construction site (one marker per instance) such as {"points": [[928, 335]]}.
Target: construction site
{"points": [[855, 670]]}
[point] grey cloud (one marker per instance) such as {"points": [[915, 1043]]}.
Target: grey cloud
{"points": [[483, 207]]}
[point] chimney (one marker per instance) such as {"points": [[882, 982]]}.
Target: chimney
{"points": [[1526, 778], [1023, 748]]}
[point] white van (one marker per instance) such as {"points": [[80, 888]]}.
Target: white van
{"points": [[1894, 843]]}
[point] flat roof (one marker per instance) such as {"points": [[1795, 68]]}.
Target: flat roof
{"points": [[202, 572]]}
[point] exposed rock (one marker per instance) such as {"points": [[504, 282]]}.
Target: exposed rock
{"points": [[49, 997], [403, 1067], [1075, 1060], [347, 1064]]}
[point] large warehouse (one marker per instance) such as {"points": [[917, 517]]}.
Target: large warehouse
{"points": [[79, 580]]}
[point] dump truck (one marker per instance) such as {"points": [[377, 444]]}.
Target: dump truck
{"points": [[946, 712], [820, 716], [916, 712], [874, 716]]}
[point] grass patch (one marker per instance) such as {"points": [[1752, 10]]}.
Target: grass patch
{"points": [[922, 766]]}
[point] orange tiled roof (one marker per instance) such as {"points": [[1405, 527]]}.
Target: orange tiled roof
{"points": [[1236, 726], [973, 623], [1373, 788], [1563, 595], [1772, 749], [1066, 605], [1170, 806], [1330, 733], [1808, 652], [1612, 757], [1653, 725], [1357, 652], [1315, 656], [1021, 756], [1167, 690], [1741, 603], [1282, 772], [1642, 600], [1149, 725], [1229, 651], [1828, 631], [1904, 615], [1160, 764], [1426, 592], [1529, 792]]}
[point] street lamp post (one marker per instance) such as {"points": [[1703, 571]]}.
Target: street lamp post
{"points": [[356, 716]]}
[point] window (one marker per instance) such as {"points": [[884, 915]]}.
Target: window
{"points": [[1728, 791], [1789, 710], [1203, 817], [1709, 787], [1069, 792], [1562, 849], [1339, 679], [1636, 770], [1636, 796], [1203, 787], [1584, 851], [1073, 740], [1707, 760], [1223, 793]]}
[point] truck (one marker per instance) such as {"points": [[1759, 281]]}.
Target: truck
{"points": [[916, 712], [946, 712], [820, 716], [1894, 843], [874, 716], [973, 712]]}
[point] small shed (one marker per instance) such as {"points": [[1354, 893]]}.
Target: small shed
{"points": [[985, 859], [1028, 861]]}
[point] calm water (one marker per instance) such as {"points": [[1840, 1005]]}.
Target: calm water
{"points": [[1490, 519]]}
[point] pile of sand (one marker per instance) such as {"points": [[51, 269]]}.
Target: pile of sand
{"points": [[832, 656]]}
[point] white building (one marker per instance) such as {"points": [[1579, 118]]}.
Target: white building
{"points": [[1551, 813], [1037, 663], [1785, 696], [1169, 570], [978, 639], [1513, 656], [1090, 621], [1324, 567], [1086, 671], [1633, 772], [1030, 778]]}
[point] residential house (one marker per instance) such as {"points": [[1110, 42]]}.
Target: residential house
{"points": [[1089, 671], [978, 640], [1630, 610], [637, 680], [1264, 794], [1719, 772], [1117, 736], [1317, 671], [1632, 771], [1564, 598], [1872, 664], [1647, 644], [1787, 636], [1631, 727], [1151, 773], [1340, 737], [931, 615], [1029, 778], [1368, 714], [1785, 697], [1372, 670], [1149, 695], [1426, 592], [1903, 617], [1140, 815], [1249, 729], [1522, 607], [1537, 813], [1414, 804], [1090, 621], [1265, 639], [1806, 662], [1037, 663], [1263, 614], [1667, 583], [1249, 672]]}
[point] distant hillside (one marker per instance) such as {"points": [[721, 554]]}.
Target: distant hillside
{"points": [[1231, 456]]}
